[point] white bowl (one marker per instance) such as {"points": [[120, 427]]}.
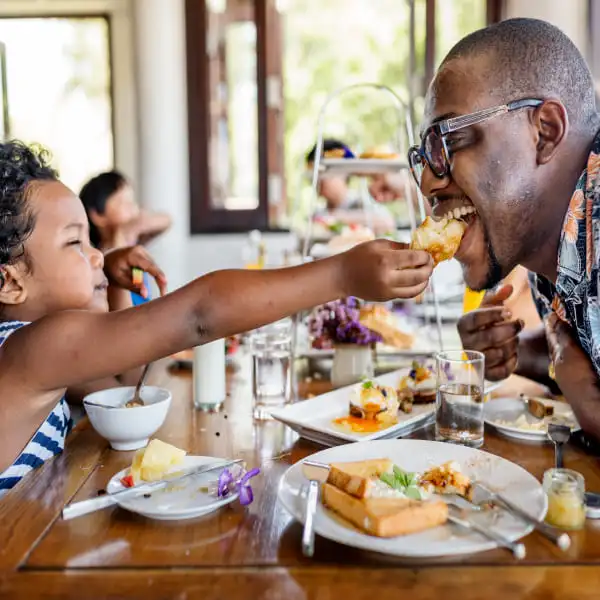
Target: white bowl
{"points": [[128, 428]]}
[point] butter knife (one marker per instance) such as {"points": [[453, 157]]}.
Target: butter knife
{"points": [[316, 473], [561, 539], [84, 507]]}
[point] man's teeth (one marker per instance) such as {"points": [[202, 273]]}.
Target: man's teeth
{"points": [[459, 212]]}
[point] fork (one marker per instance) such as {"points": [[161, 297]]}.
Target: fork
{"points": [[457, 517], [561, 539]]}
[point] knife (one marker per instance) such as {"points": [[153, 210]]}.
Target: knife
{"points": [[561, 539], [77, 509], [316, 473]]}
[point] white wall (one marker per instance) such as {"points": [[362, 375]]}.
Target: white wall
{"points": [[163, 171], [569, 15]]}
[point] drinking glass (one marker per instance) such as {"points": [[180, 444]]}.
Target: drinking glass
{"points": [[271, 367], [460, 395]]}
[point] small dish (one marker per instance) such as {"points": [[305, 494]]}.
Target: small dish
{"points": [[127, 428]]}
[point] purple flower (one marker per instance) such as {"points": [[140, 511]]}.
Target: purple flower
{"points": [[339, 323], [229, 483]]}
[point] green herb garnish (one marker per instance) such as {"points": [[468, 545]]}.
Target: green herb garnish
{"points": [[403, 481], [367, 385]]}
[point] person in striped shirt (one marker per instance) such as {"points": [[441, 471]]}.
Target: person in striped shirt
{"points": [[50, 274]]}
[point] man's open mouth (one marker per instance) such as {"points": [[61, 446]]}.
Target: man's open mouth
{"points": [[453, 208]]}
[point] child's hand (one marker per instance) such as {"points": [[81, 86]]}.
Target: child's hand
{"points": [[119, 265], [382, 270]]}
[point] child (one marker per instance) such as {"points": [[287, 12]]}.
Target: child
{"points": [[115, 218], [117, 289], [52, 341]]}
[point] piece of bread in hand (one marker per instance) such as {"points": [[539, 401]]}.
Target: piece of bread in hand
{"points": [[385, 517], [440, 238], [356, 478]]}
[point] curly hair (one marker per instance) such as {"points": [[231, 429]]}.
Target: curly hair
{"points": [[20, 166], [96, 193]]}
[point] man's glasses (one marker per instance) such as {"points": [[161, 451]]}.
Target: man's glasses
{"points": [[434, 150]]}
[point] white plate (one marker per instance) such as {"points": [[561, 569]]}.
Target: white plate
{"points": [[362, 166], [510, 409], [315, 416], [417, 455], [185, 501]]}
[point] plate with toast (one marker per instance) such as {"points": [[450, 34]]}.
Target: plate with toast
{"points": [[397, 497], [378, 408]]}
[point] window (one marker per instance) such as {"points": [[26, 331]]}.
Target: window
{"points": [[60, 96], [260, 71]]}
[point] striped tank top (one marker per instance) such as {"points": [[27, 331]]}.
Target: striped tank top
{"points": [[48, 440]]}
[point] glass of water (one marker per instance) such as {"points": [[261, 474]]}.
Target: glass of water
{"points": [[271, 367], [460, 395]]}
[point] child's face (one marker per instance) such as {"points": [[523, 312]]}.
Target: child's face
{"points": [[66, 271], [121, 208], [334, 190]]}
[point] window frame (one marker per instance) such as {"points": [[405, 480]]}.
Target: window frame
{"points": [[204, 217]]}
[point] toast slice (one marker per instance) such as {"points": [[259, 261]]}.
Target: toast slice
{"points": [[356, 478], [385, 517]]}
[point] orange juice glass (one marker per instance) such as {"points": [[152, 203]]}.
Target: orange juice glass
{"points": [[472, 300]]}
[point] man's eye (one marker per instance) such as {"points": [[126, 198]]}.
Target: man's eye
{"points": [[454, 140]]}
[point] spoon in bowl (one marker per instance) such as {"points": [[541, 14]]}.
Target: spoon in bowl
{"points": [[137, 399]]}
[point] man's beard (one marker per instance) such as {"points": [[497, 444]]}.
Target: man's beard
{"points": [[495, 272]]}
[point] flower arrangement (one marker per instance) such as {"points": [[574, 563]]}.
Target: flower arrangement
{"points": [[339, 323]]}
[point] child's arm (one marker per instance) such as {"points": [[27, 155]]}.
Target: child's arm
{"points": [[74, 347], [151, 225]]}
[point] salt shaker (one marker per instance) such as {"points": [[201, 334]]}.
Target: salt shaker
{"points": [[209, 376]]}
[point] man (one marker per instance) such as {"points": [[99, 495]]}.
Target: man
{"points": [[341, 203], [511, 131]]}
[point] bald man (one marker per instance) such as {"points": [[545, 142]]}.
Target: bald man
{"points": [[511, 129]]}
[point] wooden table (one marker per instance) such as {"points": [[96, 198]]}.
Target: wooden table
{"points": [[255, 552]]}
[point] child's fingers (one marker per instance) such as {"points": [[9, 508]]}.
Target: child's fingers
{"points": [[142, 262]]}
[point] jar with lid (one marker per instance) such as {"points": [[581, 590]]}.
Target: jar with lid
{"points": [[565, 489]]}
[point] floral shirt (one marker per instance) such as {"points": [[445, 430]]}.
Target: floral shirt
{"points": [[574, 297]]}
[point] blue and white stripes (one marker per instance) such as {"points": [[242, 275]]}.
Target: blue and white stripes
{"points": [[48, 440]]}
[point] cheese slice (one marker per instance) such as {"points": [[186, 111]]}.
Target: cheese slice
{"points": [[154, 461]]}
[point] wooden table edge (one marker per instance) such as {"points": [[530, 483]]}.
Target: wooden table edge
{"points": [[468, 583]]}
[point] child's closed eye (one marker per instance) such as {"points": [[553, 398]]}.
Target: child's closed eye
{"points": [[74, 243]]}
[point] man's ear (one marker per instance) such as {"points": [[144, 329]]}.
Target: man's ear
{"points": [[552, 124], [12, 282]]}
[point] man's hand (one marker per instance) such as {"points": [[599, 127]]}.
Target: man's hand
{"points": [[573, 369], [574, 373], [119, 265], [490, 330], [382, 270]]}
